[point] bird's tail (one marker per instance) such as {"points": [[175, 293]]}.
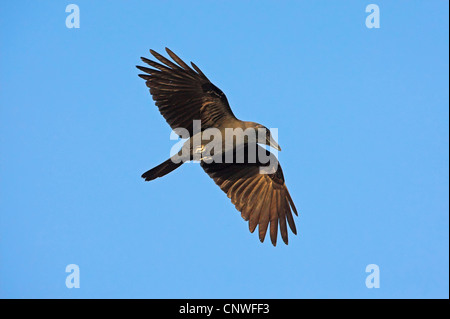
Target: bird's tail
{"points": [[161, 170]]}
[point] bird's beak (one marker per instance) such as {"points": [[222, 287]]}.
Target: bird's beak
{"points": [[274, 144]]}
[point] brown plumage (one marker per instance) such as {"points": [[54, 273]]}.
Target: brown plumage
{"points": [[183, 94]]}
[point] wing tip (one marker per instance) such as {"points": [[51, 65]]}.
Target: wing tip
{"points": [[146, 77], [143, 68]]}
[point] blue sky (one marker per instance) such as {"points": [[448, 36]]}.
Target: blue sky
{"points": [[362, 118]]}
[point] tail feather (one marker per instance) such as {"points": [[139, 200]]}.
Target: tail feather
{"points": [[161, 170]]}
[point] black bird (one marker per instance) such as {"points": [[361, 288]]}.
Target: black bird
{"points": [[184, 94]]}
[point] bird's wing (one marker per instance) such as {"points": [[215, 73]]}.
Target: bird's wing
{"points": [[261, 198], [183, 94]]}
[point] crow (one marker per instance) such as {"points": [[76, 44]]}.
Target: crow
{"points": [[255, 184]]}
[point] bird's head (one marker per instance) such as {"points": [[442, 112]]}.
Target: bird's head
{"points": [[263, 135]]}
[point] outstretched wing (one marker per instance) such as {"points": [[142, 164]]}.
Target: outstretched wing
{"points": [[262, 199], [183, 94]]}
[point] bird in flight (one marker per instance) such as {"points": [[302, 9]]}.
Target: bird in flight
{"points": [[183, 94]]}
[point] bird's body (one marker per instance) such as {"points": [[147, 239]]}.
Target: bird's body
{"points": [[199, 111]]}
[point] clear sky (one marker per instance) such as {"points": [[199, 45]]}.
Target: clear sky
{"points": [[362, 118]]}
